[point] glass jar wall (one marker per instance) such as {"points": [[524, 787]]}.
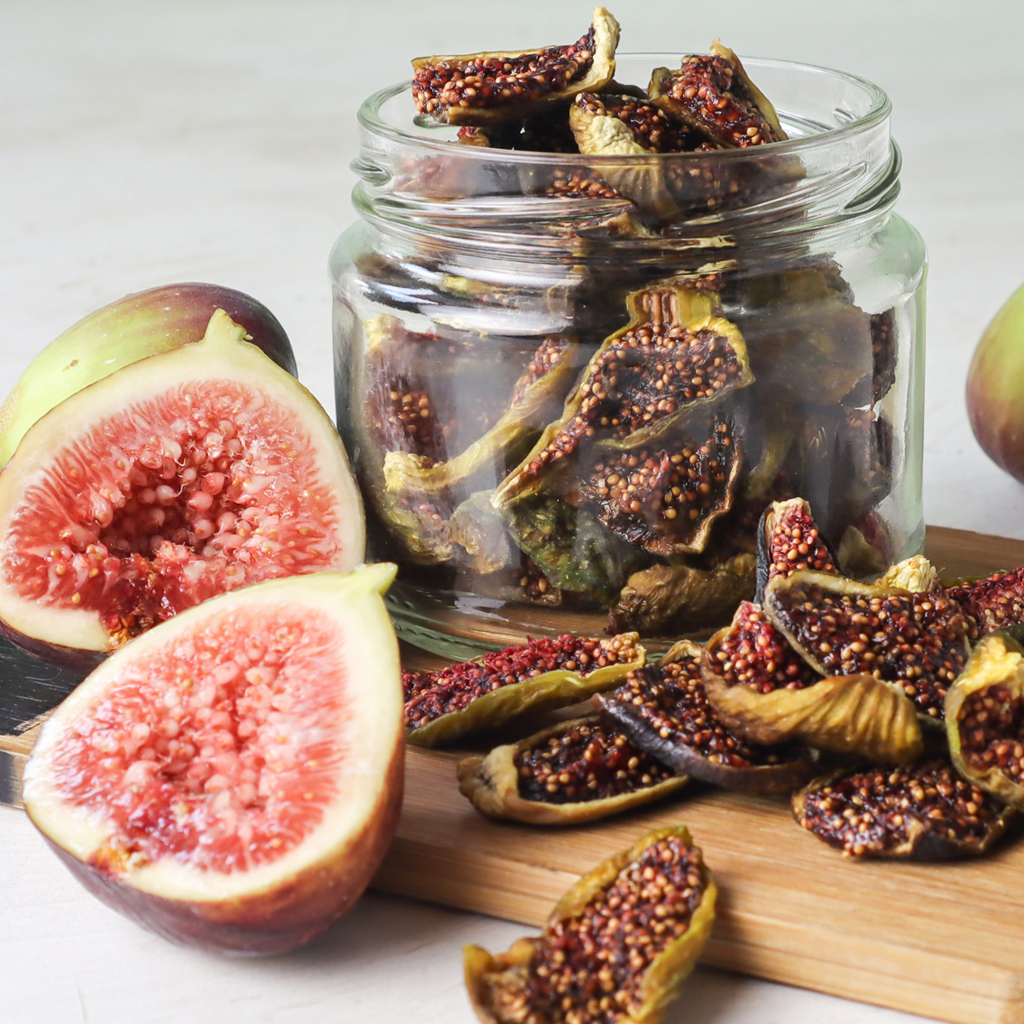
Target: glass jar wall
{"points": [[571, 384]]}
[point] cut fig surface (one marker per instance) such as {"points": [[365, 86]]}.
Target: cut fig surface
{"points": [[788, 539], [576, 771], [617, 946], [228, 779], [664, 709], [179, 477], [536, 676], [985, 718], [914, 641], [995, 602], [489, 88], [918, 812], [139, 325]]}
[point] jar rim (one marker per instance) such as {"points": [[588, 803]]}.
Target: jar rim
{"points": [[879, 109]]}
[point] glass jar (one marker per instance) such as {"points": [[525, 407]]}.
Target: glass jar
{"points": [[571, 384]]}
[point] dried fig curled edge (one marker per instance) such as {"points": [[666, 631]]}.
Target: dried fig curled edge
{"points": [[664, 709], [855, 713], [585, 965], [538, 676], [922, 812], [914, 642], [488, 88], [788, 539], [985, 718], [606, 775]]}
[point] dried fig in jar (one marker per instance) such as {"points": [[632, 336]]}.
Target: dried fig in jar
{"points": [[664, 709], [914, 642], [663, 600], [536, 397], [666, 500], [920, 812], [579, 770], [714, 95], [630, 394], [766, 692], [537, 676], [571, 548], [985, 718], [488, 88], [617, 946]]}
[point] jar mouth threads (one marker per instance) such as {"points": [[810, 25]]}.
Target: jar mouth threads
{"points": [[839, 164]]}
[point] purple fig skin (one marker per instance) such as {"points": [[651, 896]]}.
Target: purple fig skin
{"points": [[995, 392], [66, 657], [139, 325]]}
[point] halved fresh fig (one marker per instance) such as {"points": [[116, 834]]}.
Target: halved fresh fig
{"points": [[137, 326], [231, 779], [489, 88], [580, 770], [181, 476]]}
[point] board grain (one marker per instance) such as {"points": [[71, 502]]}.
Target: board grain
{"points": [[944, 941]]}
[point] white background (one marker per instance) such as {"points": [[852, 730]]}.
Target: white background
{"points": [[148, 142]]}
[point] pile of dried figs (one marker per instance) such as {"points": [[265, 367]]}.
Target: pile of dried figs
{"points": [[892, 712], [619, 464]]}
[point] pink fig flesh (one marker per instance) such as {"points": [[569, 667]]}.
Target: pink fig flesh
{"points": [[232, 779], [122, 332]]}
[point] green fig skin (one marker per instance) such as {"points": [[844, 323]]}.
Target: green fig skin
{"points": [[995, 388], [139, 325]]}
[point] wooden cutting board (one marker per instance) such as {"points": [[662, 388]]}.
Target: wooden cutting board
{"points": [[945, 941]]}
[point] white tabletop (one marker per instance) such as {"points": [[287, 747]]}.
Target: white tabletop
{"points": [[148, 142]]}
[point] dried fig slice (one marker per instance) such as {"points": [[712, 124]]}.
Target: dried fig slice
{"points": [[605, 123], [488, 88], [764, 691], [884, 351], [671, 599], [985, 718], [478, 528], [617, 946], [788, 539], [571, 548], [916, 812], [536, 397], [916, 642], [995, 602], [664, 709], [713, 94], [537, 676], [631, 392], [667, 500], [576, 771]]}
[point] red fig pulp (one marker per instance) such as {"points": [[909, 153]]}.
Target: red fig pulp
{"points": [[178, 477], [232, 778], [995, 393], [137, 326]]}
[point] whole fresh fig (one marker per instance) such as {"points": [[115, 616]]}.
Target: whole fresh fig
{"points": [[995, 387], [139, 325]]}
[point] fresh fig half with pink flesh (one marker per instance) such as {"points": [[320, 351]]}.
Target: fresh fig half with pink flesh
{"points": [[122, 332], [177, 478], [231, 779]]}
